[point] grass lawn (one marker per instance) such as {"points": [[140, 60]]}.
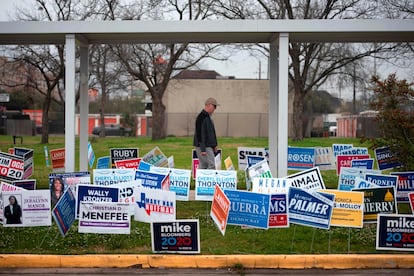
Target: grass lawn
{"points": [[237, 240]]}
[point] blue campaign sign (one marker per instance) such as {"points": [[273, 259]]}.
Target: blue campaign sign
{"points": [[151, 179], [395, 232], [64, 212], [310, 208], [180, 181], [386, 159], [405, 185], [103, 163], [382, 180], [95, 193], [248, 209], [251, 160], [363, 163], [300, 158]]}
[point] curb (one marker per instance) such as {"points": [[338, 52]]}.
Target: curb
{"points": [[325, 261]]}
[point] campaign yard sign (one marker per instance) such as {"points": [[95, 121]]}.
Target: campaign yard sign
{"points": [[132, 163], [278, 211], [301, 158], [382, 180], [405, 185], [27, 155], [4, 187], [346, 179], [206, 180], [180, 181], [228, 164], [156, 158], [395, 232], [28, 184], [363, 163], [122, 154], [378, 200], [103, 162], [57, 158], [153, 180], [248, 209], [95, 193], [348, 208], [220, 208], [310, 208], [386, 158], [324, 158], [179, 236], [104, 218], [270, 185], [310, 179], [91, 155], [253, 160], [11, 167], [70, 179], [260, 169], [354, 151], [243, 152], [153, 205], [411, 199], [343, 161], [112, 176], [338, 148], [64, 212], [35, 208]]}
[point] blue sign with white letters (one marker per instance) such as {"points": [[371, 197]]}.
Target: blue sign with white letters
{"points": [[248, 208], [310, 208], [300, 158]]}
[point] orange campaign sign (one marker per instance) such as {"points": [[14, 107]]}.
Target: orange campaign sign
{"points": [[57, 157], [348, 210], [220, 208]]}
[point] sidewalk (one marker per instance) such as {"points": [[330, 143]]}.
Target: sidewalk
{"points": [[325, 261]]}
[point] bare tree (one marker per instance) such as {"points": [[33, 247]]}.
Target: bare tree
{"points": [[49, 60], [155, 64], [311, 64]]}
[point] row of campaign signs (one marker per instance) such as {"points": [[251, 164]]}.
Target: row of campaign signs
{"points": [[106, 202]]}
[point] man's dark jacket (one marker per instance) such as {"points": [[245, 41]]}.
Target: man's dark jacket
{"points": [[205, 134]]}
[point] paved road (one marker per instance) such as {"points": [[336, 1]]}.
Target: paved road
{"points": [[204, 272]]}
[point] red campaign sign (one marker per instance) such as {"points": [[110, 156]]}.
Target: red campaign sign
{"points": [[220, 208], [411, 199], [11, 167], [57, 157], [132, 163], [346, 161]]}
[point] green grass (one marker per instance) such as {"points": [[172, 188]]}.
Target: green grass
{"points": [[237, 240]]}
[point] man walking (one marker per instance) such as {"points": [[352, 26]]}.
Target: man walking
{"points": [[205, 140]]}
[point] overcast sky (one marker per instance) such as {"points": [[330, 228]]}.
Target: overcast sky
{"points": [[241, 65]]}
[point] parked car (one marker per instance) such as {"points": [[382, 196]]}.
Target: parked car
{"points": [[113, 130]]}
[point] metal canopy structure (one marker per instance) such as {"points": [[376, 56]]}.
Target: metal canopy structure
{"points": [[278, 33]]}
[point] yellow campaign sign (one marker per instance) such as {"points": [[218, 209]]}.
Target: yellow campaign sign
{"points": [[348, 208]]}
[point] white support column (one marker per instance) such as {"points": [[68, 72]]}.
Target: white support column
{"points": [[273, 105], [278, 105], [283, 96], [70, 103], [84, 107]]}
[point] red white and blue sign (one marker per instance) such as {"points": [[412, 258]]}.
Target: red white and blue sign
{"points": [[405, 185], [395, 232], [300, 158]]}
